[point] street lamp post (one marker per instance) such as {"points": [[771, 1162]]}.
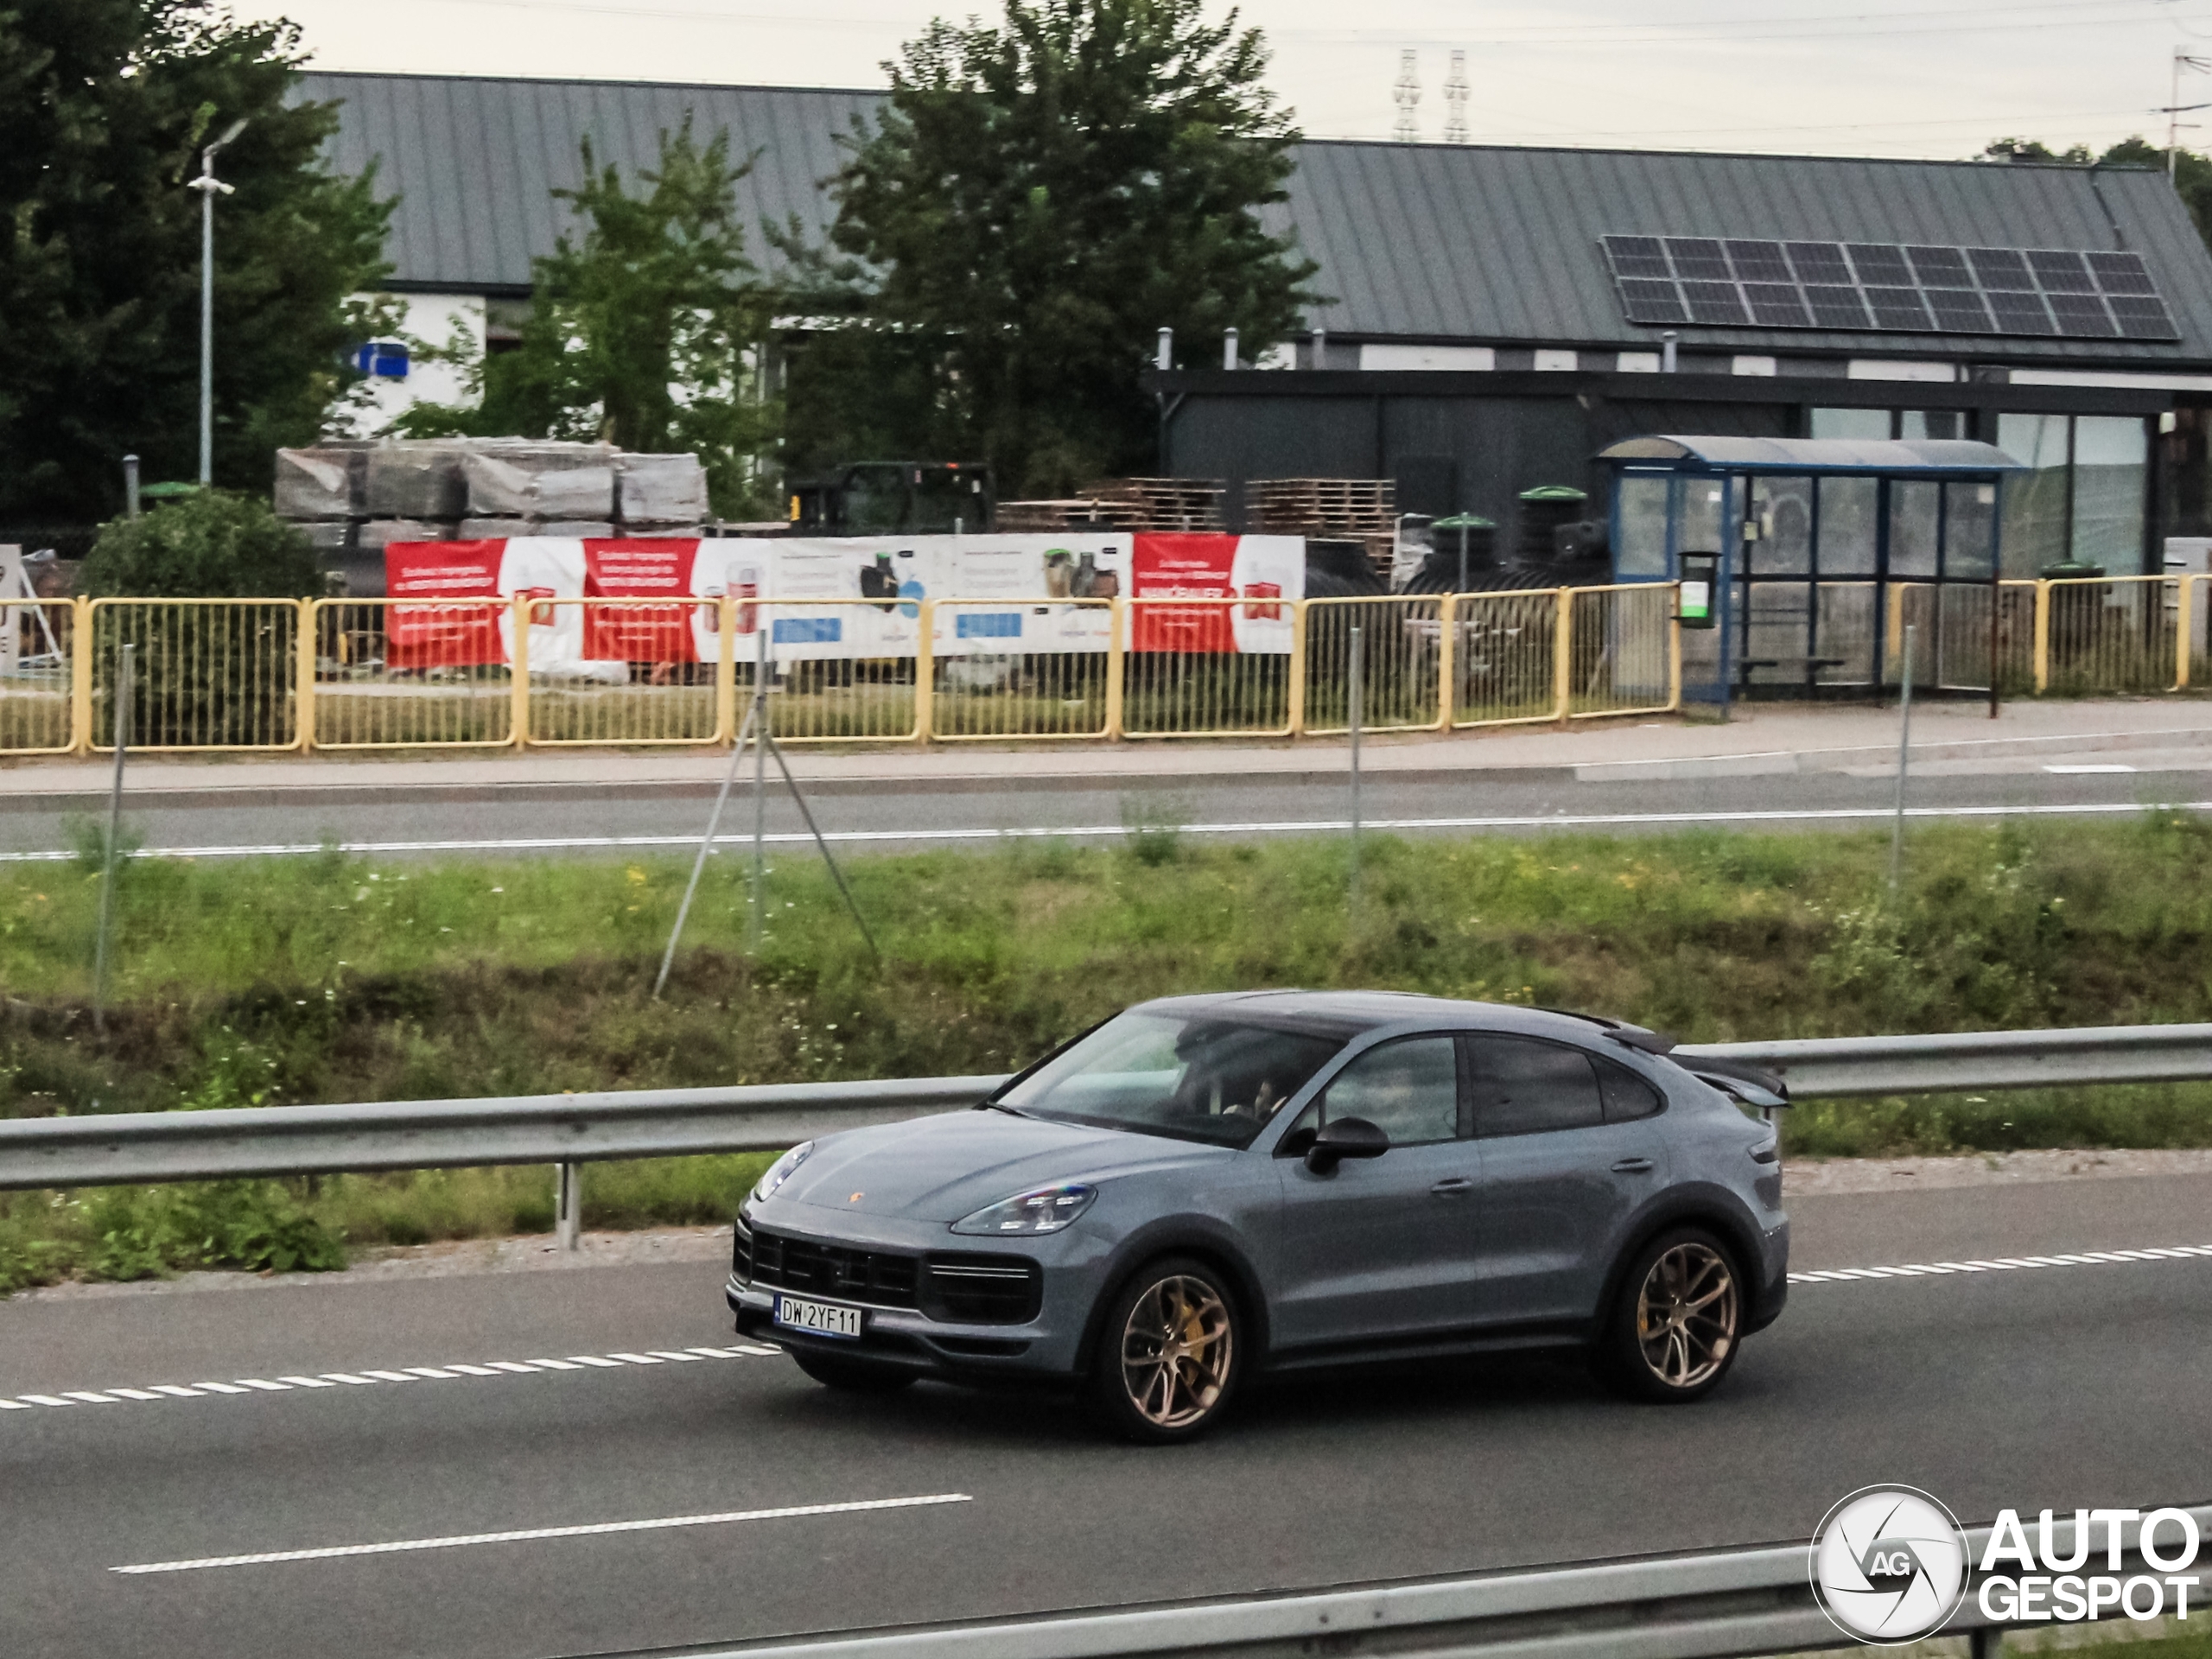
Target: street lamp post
{"points": [[209, 186]]}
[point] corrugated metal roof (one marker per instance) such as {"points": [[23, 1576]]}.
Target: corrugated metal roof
{"points": [[1820, 455], [474, 161], [1450, 242], [1481, 244]]}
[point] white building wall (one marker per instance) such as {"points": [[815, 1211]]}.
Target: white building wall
{"points": [[436, 320]]}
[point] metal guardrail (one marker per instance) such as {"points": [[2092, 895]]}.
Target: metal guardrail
{"points": [[125, 1148], [128, 1147], [1703, 1606], [1838, 1067]]}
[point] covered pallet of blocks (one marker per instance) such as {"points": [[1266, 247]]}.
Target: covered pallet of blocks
{"points": [[354, 498]]}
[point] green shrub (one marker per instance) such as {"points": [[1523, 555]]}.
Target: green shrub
{"points": [[204, 674], [213, 544], [148, 1232]]}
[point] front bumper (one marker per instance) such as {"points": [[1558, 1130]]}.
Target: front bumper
{"points": [[1774, 1290], [898, 1338], [1049, 1345]]}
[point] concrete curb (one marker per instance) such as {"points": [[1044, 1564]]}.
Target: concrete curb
{"points": [[252, 795]]}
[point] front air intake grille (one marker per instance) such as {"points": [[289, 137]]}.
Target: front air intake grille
{"points": [[982, 1289], [838, 1270], [741, 1253]]}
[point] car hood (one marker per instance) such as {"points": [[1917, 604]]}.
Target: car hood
{"points": [[943, 1167]]}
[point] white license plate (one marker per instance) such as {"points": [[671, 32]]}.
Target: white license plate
{"points": [[817, 1318]]}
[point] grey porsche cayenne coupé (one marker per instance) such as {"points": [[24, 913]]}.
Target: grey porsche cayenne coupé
{"points": [[1204, 1188]]}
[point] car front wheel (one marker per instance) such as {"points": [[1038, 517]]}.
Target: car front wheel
{"points": [[1677, 1322], [1169, 1354]]}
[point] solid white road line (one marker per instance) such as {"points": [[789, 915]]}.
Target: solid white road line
{"points": [[2007, 1264], [532, 1535], [448, 1372], [1296, 826]]}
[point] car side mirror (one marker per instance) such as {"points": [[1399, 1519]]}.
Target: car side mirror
{"points": [[1346, 1137]]}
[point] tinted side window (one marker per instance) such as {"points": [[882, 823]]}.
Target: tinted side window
{"points": [[1408, 1090], [1626, 1095], [1521, 1085]]}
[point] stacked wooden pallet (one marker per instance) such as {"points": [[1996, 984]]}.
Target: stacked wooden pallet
{"points": [[1363, 509], [1168, 502], [1044, 518], [1123, 504]]}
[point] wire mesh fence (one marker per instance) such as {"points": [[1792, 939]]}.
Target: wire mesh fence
{"points": [[1209, 667], [625, 672], [1400, 659], [839, 670], [1022, 668], [275, 674], [2192, 596], [1621, 656], [210, 673], [38, 706], [2115, 633], [1505, 657], [412, 674], [2015, 637]]}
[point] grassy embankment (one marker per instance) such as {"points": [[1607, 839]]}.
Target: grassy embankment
{"points": [[334, 978]]}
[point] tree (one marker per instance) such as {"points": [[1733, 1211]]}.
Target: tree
{"points": [[645, 332], [104, 106], [1040, 197]]}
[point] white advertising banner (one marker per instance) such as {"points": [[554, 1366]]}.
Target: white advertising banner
{"points": [[838, 600]]}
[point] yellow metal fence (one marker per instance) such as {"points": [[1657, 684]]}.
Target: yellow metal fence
{"points": [[277, 675]]}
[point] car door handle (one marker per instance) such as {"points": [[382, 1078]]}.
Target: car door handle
{"points": [[1456, 1186], [1632, 1166]]}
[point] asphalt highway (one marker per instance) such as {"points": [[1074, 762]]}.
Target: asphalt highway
{"points": [[514, 1492], [908, 814]]}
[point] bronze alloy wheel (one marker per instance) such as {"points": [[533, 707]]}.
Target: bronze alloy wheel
{"points": [[1687, 1314], [1177, 1346]]}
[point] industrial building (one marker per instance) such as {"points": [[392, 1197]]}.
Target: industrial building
{"points": [[1498, 316]]}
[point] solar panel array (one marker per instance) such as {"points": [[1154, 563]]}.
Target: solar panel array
{"points": [[1724, 283]]}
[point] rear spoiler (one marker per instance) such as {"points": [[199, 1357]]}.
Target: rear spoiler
{"points": [[1747, 1084]]}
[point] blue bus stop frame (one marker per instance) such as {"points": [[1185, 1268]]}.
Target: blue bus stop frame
{"points": [[1728, 459]]}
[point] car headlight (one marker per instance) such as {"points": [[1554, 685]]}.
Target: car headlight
{"points": [[780, 1170], [1048, 1210]]}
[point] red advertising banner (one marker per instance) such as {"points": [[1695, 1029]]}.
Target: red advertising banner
{"points": [[648, 568], [1195, 566], [461, 630]]}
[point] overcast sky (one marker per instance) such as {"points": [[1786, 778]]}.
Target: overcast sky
{"points": [[1829, 76]]}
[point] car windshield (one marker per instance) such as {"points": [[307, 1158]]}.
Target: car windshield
{"points": [[1190, 1078]]}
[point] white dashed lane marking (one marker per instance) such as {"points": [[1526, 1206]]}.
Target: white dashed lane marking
{"points": [[497, 1369], [449, 1372], [534, 1534], [2002, 1264]]}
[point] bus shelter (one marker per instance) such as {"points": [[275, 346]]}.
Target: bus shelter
{"points": [[1824, 554]]}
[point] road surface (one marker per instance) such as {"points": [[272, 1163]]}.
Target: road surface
{"points": [[621, 820], [513, 1492]]}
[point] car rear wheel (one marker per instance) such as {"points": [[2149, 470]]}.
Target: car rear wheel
{"points": [[851, 1375], [1677, 1320], [1169, 1354]]}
